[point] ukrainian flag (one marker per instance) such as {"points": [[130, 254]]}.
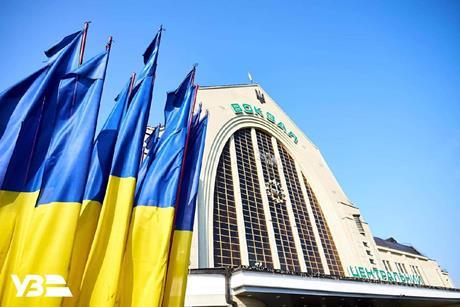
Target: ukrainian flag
{"points": [[27, 112], [179, 257], [53, 222], [96, 184], [146, 256], [101, 276]]}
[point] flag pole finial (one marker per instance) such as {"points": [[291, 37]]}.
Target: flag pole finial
{"points": [[193, 71], [108, 46]]}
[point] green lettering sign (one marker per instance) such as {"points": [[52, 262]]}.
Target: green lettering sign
{"points": [[253, 110], [376, 274], [383, 275], [292, 135], [281, 126], [362, 272], [270, 117], [247, 108], [369, 273], [353, 272], [402, 278], [258, 111], [236, 108], [410, 279]]}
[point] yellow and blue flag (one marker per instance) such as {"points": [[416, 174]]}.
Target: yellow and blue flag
{"points": [[96, 184], [23, 109], [146, 256], [101, 276], [179, 256], [27, 114], [53, 222]]}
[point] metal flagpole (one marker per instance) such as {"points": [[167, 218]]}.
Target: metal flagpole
{"points": [[108, 48], [83, 42], [80, 61], [131, 84], [82, 51], [82, 48], [181, 176], [182, 170]]}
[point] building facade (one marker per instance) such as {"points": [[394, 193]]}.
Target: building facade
{"points": [[274, 227]]}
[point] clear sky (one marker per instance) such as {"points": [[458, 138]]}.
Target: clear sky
{"points": [[375, 84]]}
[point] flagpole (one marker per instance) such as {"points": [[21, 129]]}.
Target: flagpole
{"points": [[34, 141], [189, 128], [181, 177], [80, 61], [83, 42], [108, 48], [131, 84]]}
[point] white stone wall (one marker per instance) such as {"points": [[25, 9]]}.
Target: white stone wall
{"points": [[336, 207], [430, 271]]}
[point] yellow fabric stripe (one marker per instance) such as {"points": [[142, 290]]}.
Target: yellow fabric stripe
{"points": [[179, 260], [86, 227], [10, 205], [8, 211], [101, 276], [146, 257], [19, 206], [48, 245]]}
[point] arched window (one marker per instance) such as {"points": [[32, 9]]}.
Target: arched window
{"points": [[264, 206]]}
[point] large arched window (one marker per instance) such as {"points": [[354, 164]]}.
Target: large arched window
{"points": [[268, 187]]}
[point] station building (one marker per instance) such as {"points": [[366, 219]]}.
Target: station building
{"points": [[273, 226]]}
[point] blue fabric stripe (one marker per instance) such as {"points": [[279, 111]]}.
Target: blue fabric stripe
{"points": [[101, 157], [161, 180], [187, 202], [67, 161], [128, 148], [28, 114]]}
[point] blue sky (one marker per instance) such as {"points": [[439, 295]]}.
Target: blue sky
{"points": [[375, 84]]}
